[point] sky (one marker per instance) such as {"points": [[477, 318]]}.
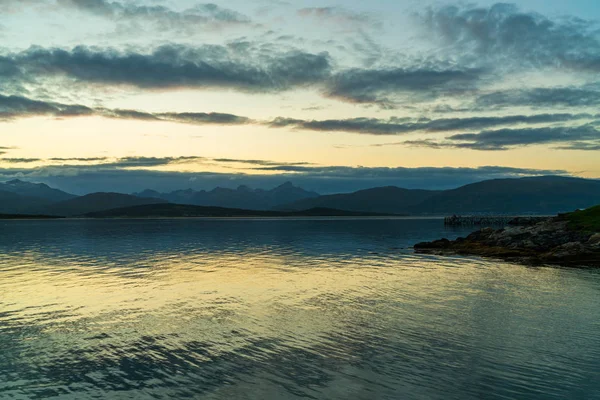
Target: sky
{"points": [[121, 95]]}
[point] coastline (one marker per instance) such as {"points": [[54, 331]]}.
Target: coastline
{"points": [[561, 240]]}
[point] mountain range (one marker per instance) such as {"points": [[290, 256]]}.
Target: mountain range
{"points": [[241, 198], [388, 199], [532, 195]]}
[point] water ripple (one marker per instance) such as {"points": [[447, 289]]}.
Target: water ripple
{"points": [[271, 309]]}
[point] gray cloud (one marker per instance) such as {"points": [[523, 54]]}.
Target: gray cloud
{"points": [[19, 160], [540, 98], [94, 163], [14, 107], [3, 149], [81, 180], [377, 85], [503, 33], [505, 138], [435, 144], [396, 126], [81, 159], [585, 146], [257, 162], [201, 16], [172, 66], [345, 18], [584, 137], [238, 66], [148, 162], [198, 118], [479, 46]]}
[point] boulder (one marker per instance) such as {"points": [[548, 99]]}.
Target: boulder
{"points": [[594, 240]]}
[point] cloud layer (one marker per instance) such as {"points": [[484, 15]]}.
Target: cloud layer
{"points": [[504, 33], [582, 137], [119, 176]]}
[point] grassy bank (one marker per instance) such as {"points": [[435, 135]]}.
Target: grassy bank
{"points": [[585, 220]]}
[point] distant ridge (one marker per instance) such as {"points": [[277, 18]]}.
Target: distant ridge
{"points": [[388, 199], [534, 195], [242, 197], [13, 203], [96, 202], [169, 210], [38, 190]]}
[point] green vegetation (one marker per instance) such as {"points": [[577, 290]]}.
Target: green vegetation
{"points": [[585, 220]]}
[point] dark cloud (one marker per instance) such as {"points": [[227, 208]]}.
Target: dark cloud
{"points": [[540, 98], [585, 146], [184, 118], [378, 86], [205, 118], [173, 66], [506, 138], [12, 107], [200, 16], [257, 162], [19, 160], [435, 144], [340, 16], [396, 126], [142, 162], [81, 159], [11, 6], [504, 33], [81, 180], [148, 162], [584, 137], [238, 66], [3, 149]]}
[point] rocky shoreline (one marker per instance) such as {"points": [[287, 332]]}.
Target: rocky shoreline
{"points": [[551, 241]]}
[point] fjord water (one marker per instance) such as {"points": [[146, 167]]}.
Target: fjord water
{"points": [[284, 309]]}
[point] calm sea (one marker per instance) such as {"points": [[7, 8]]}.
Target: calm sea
{"points": [[284, 309]]}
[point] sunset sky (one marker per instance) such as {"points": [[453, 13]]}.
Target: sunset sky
{"points": [[334, 96]]}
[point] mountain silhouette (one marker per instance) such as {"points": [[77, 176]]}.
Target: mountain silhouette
{"points": [[170, 210], [536, 195], [533, 195], [96, 202], [39, 190], [388, 199], [243, 197], [13, 203]]}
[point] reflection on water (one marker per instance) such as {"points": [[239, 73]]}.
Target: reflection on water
{"points": [[279, 309]]}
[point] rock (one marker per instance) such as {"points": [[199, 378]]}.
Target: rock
{"points": [[594, 240], [438, 244], [549, 241], [526, 221], [567, 250]]}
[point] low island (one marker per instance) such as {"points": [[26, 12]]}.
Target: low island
{"points": [[571, 239]]}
